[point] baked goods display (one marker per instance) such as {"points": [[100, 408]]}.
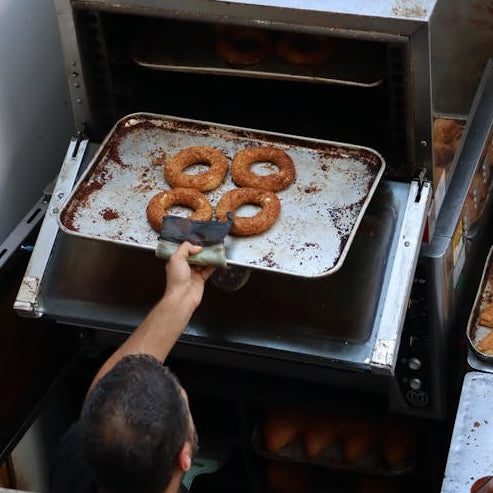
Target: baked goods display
{"points": [[337, 442], [255, 189], [203, 182], [159, 204]]}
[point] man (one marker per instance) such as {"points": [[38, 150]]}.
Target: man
{"points": [[135, 432]]}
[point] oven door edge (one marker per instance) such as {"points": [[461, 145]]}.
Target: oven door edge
{"points": [[384, 357], [26, 302]]}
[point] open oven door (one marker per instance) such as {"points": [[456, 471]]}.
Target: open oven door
{"points": [[351, 319]]}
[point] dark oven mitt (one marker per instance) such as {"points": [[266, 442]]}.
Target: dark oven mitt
{"points": [[208, 234]]}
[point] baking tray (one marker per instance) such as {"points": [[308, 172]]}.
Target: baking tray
{"points": [[183, 48], [320, 211], [475, 331], [470, 454], [332, 458]]}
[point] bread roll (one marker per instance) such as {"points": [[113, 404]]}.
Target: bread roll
{"points": [[399, 443], [486, 316], [445, 130], [359, 438], [321, 432], [281, 426], [442, 153]]}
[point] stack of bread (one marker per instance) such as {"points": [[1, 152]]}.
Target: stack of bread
{"points": [[327, 439]]}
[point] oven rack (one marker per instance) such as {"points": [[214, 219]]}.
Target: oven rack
{"points": [[190, 47]]}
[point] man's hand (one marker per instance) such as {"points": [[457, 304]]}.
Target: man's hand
{"points": [[185, 282]]}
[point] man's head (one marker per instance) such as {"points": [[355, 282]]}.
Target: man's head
{"points": [[137, 427]]}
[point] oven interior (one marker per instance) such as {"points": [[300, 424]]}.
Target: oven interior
{"points": [[170, 66]]}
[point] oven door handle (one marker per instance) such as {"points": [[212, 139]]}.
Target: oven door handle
{"points": [[386, 348]]}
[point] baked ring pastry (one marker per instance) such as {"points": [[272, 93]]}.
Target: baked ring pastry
{"points": [[242, 46], [486, 316], [485, 345], [274, 182], [281, 427], [447, 136], [159, 204], [260, 222], [203, 182], [321, 432], [304, 49]]}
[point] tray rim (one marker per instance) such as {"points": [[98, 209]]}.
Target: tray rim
{"points": [[232, 128], [474, 313]]}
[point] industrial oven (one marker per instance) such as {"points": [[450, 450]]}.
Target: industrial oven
{"points": [[407, 81]]}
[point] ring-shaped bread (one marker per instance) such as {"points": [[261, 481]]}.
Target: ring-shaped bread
{"points": [[243, 176], [304, 49], [158, 206], [249, 225], [243, 46], [203, 182]]}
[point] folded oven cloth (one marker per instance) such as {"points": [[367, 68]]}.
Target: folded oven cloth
{"points": [[208, 234]]}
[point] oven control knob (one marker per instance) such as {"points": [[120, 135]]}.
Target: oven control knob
{"points": [[415, 383], [414, 363]]}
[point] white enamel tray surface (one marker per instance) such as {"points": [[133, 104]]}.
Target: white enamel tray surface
{"points": [[320, 210]]}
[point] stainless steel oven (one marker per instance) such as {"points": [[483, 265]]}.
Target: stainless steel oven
{"points": [[381, 325]]}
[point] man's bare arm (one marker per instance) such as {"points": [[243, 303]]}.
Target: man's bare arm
{"points": [[164, 324]]}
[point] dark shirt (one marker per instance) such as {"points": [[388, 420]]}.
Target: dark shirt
{"points": [[70, 472]]}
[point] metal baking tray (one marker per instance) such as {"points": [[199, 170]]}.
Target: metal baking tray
{"points": [[320, 211], [484, 297], [470, 454], [332, 458], [178, 47]]}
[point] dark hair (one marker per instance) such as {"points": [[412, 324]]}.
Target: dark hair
{"points": [[134, 421]]}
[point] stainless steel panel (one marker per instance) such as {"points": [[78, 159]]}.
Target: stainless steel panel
{"points": [[470, 456], [320, 211]]}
